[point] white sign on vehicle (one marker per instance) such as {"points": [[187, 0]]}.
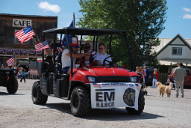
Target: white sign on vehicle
{"points": [[114, 95]]}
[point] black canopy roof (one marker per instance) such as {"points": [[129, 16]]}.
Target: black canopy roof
{"points": [[84, 31]]}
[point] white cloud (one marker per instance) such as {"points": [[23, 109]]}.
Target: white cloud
{"points": [[187, 16], [49, 7], [187, 9]]}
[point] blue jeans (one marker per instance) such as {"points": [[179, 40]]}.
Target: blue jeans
{"points": [[65, 70], [154, 83]]}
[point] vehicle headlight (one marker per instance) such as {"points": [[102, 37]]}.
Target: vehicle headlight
{"points": [[91, 79], [133, 79]]}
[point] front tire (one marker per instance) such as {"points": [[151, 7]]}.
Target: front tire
{"points": [[80, 101], [37, 96], [141, 105], [12, 85]]}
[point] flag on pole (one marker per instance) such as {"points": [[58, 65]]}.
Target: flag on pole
{"points": [[41, 46], [24, 34], [68, 38], [10, 61]]}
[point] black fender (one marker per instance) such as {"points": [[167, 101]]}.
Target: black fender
{"points": [[73, 84]]}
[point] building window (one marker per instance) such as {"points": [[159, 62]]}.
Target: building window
{"points": [[177, 51]]}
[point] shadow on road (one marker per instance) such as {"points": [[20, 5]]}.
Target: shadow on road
{"points": [[63, 107], [119, 115], [5, 93], [106, 115]]}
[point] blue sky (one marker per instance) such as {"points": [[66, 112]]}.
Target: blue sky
{"points": [[178, 19], [178, 13]]}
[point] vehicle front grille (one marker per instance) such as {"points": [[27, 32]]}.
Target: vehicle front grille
{"points": [[112, 79]]}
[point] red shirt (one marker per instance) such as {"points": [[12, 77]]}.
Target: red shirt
{"points": [[156, 75]]}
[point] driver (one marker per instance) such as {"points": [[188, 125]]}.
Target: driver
{"points": [[102, 56]]}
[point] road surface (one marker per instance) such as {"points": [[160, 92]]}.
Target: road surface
{"points": [[18, 111]]}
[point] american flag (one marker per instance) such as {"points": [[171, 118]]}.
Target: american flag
{"points": [[10, 61], [67, 37], [24, 34], [41, 46]]}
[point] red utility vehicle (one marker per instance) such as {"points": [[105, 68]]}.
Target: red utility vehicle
{"points": [[93, 87], [8, 78]]}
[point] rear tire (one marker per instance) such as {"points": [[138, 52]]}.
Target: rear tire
{"points": [[12, 85], [80, 101], [37, 96], [141, 105]]}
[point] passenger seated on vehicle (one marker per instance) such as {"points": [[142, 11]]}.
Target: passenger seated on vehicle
{"points": [[101, 56], [58, 55], [67, 54], [48, 62], [86, 60]]}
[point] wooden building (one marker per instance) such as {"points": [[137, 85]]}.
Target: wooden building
{"points": [[10, 23], [172, 51]]}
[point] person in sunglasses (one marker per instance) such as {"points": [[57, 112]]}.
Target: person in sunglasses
{"points": [[101, 57]]}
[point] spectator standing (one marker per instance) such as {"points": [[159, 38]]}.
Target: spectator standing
{"points": [[170, 79], [149, 76], [140, 72], [2, 66], [145, 74], [22, 74], [179, 73], [155, 77]]}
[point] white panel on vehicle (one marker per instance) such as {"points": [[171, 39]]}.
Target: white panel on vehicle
{"points": [[114, 95]]}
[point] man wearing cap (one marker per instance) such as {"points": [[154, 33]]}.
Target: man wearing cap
{"points": [[68, 53]]}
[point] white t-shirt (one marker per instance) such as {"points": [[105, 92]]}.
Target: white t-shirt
{"points": [[100, 58], [66, 60]]}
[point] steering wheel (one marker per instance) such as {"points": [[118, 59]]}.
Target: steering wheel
{"points": [[106, 60]]}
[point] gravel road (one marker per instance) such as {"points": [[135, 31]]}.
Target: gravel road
{"points": [[18, 111]]}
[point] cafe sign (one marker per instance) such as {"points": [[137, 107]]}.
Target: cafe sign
{"points": [[22, 22]]}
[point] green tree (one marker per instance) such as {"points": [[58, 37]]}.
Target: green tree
{"points": [[142, 19]]}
